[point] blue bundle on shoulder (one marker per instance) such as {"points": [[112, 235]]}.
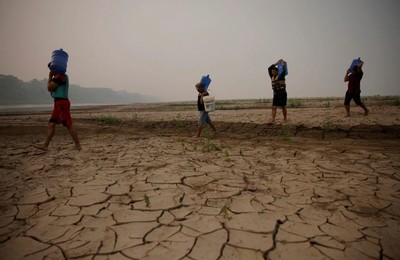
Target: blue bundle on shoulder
{"points": [[354, 63], [282, 67], [206, 80]]}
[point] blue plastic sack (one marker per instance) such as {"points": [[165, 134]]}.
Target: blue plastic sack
{"points": [[354, 63], [282, 68], [206, 80]]}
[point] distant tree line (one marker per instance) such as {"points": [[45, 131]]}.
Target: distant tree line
{"points": [[14, 91]]}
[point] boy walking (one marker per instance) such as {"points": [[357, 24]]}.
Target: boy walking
{"points": [[58, 85], [279, 87], [354, 90], [204, 118]]}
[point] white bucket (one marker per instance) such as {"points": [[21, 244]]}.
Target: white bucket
{"points": [[209, 103]]}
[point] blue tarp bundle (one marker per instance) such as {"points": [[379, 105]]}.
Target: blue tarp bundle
{"points": [[206, 80], [354, 63], [282, 67]]}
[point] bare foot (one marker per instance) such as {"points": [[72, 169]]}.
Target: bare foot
{"points": [[347, 115], [270, 122], [40, 147], [78, 147], [366, 112]]}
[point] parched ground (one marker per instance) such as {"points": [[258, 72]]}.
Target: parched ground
{"points": [[320, 187]]}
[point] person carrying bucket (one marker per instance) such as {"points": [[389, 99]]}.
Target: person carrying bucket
{"points": [[277, 73], [204, 117], [58, 85]]}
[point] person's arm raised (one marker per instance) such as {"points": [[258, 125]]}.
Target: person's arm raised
{"points": [[51, 85], [270, 70], [359, 67], [346, 77]]}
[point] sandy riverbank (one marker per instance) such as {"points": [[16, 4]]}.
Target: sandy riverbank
{"points": [[322, 186]]}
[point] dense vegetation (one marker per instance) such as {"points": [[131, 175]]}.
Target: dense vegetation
{"points": [[14, 91]]}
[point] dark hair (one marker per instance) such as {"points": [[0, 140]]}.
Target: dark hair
{"points": [[274, 68], [200, 85]]}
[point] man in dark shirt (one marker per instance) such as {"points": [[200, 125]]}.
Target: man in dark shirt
{"points": [[353, 91]]}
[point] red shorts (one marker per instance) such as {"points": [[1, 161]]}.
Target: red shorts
{"points": [[61, 113]]}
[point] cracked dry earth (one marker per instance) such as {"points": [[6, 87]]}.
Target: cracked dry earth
{"points": [[145, 193]]}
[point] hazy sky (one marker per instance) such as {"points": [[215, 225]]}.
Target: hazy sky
{"points": [[162, 48]]}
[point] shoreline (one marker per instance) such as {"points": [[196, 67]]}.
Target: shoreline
{"points": [[232, 104]]}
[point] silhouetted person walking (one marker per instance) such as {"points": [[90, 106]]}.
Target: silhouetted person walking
{"points": [[278, 83], [354, 90]]}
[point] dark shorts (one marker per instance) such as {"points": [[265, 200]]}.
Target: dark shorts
{"points": [[355, 97], [280, 99], [204, 118], [61, 113]]}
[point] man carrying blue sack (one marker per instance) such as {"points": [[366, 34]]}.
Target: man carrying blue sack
{"points": [[279, 87], [353, 77]]}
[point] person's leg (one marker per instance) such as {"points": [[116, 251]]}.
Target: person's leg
{"points": [[50, 133], [212, 127], [66, 115], [199, 129], [284, 111], [347, 100], [347, 108], [273, 109], [273, 114], [366, 110], [202, 122], [74, 134], [357, 99], [210, 123]]}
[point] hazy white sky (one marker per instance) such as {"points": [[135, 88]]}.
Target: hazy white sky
{"points": [[162, 48]]}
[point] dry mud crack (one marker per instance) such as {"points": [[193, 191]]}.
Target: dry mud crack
{"points": [[148, 190]]}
